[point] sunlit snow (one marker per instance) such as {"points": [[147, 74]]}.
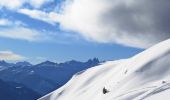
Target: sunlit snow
{"points": [[145, 76]]}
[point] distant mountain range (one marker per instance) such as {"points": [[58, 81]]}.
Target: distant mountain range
{"points": [[15, 91], [44, 77]]}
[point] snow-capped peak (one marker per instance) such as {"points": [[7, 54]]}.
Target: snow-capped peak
{"points": [[142, 77]]}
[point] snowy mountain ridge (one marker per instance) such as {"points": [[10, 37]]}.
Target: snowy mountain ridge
{"points": [[145, 76]]}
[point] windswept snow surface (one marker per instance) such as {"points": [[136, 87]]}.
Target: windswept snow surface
{"points": [[145, 76]]}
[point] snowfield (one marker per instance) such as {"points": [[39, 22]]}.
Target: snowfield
{"points": [[145, 76]]}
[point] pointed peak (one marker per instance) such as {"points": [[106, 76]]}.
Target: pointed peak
{"points": [[94, 60], [72, 61], [47, 63]]}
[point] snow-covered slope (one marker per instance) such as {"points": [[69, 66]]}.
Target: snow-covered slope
{"points": [[145, 76]]}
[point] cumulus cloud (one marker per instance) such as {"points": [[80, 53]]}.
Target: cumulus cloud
{"points": [[50, 17], [135, 23], [10, 56]]}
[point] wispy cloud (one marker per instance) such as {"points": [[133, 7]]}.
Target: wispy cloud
{"points": [[16, 4], [7, 22], [50, 17], [18, 30], [38, 3], [21, 33], [11, 5], [4, 22], [10, 56]]}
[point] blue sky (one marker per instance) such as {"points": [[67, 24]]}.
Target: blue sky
{"points": [[33, 32]]}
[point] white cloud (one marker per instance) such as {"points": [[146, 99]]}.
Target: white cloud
{"points": [[21, 33], [38, 3], [50, 17], [136, 23], [10, 56], [127, 22], [16, 4], [17, 30], [7, 22], [4, 22]]}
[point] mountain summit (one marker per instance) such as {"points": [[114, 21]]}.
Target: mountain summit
{"points": [[145, 76]]}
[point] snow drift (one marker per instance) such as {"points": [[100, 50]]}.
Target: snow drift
{"points": [[145, 76]]}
